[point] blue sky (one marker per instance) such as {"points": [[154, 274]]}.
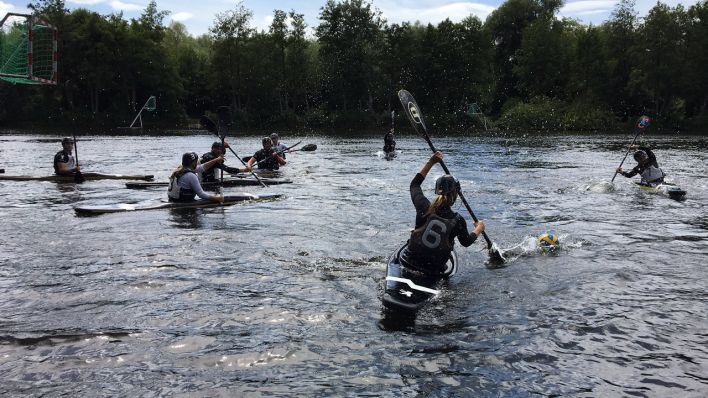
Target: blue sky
{"points": [[198, 16]]}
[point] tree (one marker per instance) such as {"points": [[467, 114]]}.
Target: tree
{"points": [[230, 32], [349, 38]]}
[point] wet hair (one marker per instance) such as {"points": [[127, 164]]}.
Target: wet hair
{"points": [[446, 199]]}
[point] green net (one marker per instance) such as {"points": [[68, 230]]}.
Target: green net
{"points": [[27, 56], [151, 104]]}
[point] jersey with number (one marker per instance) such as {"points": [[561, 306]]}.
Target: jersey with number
{"points": [[433, 238], [430, 245], [63, 157]]}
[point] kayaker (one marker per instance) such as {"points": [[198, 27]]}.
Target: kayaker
{"points": [[184, 183], [436, 224], [647, 167], [277, 145], [267, 157], [389, 142], [217, 150], [64, 161]]}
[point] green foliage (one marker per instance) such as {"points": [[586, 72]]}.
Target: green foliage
{"points": [[524, 66]]}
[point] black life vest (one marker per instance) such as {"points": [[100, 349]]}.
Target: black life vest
{"points": [[429, 246]]}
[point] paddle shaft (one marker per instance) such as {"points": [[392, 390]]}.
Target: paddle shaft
{"points": [[459, 193], [78, 177], [639, 131], [243, 163]]}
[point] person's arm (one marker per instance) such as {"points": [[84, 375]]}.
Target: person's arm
{"points": [[193, 182], [279, 159], [435, 158], [420, 202], [213, 162], [463, 236], [251, 161]]}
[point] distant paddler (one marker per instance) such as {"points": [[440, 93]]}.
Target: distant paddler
{"points": [[217, 149], [279, 146], [65, 163], [389, 142], [436, 224], [647, 167], [267, 158], [184, 183]]}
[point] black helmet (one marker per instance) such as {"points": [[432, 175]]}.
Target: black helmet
{"points": [[640, 156], [446, 184], [67, 140], [188, 158], [267, 140]]}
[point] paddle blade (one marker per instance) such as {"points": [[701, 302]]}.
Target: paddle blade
{"points": [[309, 148], [643, 122], [78, 177], [208, 124], [412, 111], [495, 256]]}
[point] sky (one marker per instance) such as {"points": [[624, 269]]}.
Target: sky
{"points": [[198, 16]]}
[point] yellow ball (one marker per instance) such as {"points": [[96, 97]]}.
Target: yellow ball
{"points": [[548, 241]]}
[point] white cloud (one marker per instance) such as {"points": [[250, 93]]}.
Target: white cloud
{"points": [[5, 8], [120, 6], [182, 16], [456, 12], [585, 7], [86, 2]]}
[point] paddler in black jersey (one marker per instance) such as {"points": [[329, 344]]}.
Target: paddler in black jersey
{"points": [[647, 167], [184, 183], [389, 142], [64, 161], [436, 224], [217, 149], [267, 157]]}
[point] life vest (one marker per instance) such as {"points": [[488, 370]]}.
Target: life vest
{"points": [[429, 246], [175, 193], [652, 176]]}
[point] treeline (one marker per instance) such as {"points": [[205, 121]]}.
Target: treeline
{"points": [[524, 67]]}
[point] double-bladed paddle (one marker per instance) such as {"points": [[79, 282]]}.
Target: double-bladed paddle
{"points": [[211, 127], [305, 148], [642, 123], [78, 177], [416, 118]]}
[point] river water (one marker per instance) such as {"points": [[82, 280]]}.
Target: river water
{"points": [[282, 298]]}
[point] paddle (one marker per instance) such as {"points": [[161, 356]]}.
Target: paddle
{"points": [[211, 127], [2, 171], [78, 177], [642, 123], [416, 118], [306, 148]]}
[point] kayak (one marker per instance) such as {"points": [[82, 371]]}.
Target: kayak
{"points": [[87, 176], [671, 190], [231, 182], [157, 205], [407, 290]]}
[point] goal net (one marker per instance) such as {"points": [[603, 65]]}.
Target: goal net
{"points": [[28, 50]]}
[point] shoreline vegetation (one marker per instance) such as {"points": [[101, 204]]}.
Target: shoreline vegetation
{"points": [[524, 69]]}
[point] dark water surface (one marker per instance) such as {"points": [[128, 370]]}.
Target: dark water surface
{"points": [[282, 298]]}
